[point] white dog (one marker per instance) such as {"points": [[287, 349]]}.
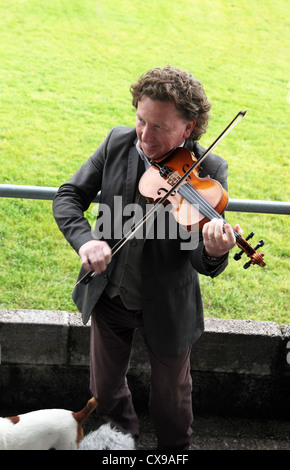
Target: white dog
{"points": [[107, 438], [45, 429]]}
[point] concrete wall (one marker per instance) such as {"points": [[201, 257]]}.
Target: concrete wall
{"points": [[238, 367]]}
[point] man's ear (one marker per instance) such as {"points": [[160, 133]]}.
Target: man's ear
{"points": [[190, 125]]}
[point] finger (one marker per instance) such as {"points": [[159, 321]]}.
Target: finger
{"points": [[214, 231], [218, 230], [208, 231], [205, 231], [229, 236], [101, 257], [100, 266], [238, 229], [107, 252], [86, 263]]}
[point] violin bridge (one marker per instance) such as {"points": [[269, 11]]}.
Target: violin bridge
{"points": [[173, 178]]}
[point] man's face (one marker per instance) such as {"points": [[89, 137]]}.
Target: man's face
{"points": [[160, 127]]}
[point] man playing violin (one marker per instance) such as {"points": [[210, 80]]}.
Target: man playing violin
{"points": [[151, 284]]}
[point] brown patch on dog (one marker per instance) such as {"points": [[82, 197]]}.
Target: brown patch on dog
{"points": [[14, 419], [80, 434]]}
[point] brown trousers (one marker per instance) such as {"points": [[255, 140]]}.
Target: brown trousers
{"points": [[112, 330]]}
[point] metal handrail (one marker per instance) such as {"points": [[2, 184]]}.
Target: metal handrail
{"points": [[235, 205]]}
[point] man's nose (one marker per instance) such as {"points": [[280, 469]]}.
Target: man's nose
{"points": [[147, 132]]}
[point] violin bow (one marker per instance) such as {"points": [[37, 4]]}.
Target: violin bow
{"points": [[224, 133], [91, 274]]}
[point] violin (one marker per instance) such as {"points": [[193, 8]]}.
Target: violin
{"points": [[194, 200]]}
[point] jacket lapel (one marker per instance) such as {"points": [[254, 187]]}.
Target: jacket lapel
{"points": [[134, 171]]}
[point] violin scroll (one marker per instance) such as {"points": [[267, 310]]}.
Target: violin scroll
{"points": [[256, 257]]}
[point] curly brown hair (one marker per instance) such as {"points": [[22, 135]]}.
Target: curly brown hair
{"points": [[173, 84]]}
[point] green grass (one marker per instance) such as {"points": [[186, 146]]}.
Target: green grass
{"points": [[66, 69]]}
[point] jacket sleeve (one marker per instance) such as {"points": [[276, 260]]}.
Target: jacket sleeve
{"points": [[205, 267], [74, 198]]}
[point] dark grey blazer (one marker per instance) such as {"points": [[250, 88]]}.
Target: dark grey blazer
{"points": [[171, 298]]}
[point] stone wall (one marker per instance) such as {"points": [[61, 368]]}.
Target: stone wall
{"points": [[239, 368]]}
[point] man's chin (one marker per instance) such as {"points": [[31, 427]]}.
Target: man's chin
{"points": [[155, 155], [160, 155], [152, 154]]}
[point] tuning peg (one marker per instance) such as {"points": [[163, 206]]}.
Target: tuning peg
{"points": [[237, 256], [248, 264], [261, 243]]}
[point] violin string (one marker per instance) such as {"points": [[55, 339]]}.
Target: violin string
{"points": [[209, 212], [206, 209], [193, 197]]}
